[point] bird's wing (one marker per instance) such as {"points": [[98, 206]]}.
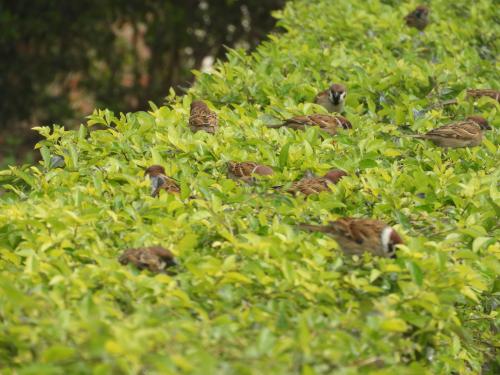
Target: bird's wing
{"points": [[203, 118], [459, 130], [358, 230]]}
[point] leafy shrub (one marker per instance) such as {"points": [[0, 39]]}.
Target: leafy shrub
{"points": [[252, 294]]}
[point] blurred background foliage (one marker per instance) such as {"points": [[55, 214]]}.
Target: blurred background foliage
{"points": [[61, 59]]}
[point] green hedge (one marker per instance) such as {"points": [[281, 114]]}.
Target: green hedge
{"points": [[253, 295]]}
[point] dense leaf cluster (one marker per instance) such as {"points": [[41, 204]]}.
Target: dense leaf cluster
{"points": [[252, 294]]}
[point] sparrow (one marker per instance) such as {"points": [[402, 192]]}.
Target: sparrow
{"points": [[418, 18], [245, 170], [478, 93], [159, 181], [328, 123], [355, 236], [315, 185], [468, 133], [154, 258], [202, 118], [332, 98]]}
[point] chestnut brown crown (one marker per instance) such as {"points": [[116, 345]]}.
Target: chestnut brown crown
{"points": [[335, 175], [418, 18], [421, 11], [481, 121], [154, 170], [337, 93], [198, 104]]}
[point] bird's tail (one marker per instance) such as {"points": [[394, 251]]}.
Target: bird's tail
{"points": [[419, 136], [314, 228]]}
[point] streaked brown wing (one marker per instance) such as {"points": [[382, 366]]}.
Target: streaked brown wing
{"points": [[128, 256], [330, 122], [343, 122], [478, 93], [358, 230], [309, 186], [460, 130], [169, 185], [164, 255], [243, 169], [203, 118], [324, 121], [298, 122]]}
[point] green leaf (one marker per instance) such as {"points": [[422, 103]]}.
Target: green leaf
{"points": [[367, 163], [185, 190], [394, 325], [157, 158], [415, 271], [73, 153], [45, 152], [58, 353], [82, 133], [283, 158], [188, 242]]}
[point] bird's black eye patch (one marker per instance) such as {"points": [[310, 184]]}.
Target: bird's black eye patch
{"points": [[359, 240], [391, 250]]}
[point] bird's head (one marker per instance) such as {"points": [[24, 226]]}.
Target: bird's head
{"points": [[154, 171], [481, 121], [421, 12], [198, 104], [337, 93], [334, 175], [390, 239]]}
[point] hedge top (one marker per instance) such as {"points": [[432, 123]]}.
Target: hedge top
{"points": [[252, 294]]}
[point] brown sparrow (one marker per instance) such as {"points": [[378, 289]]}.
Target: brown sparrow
{"points": [[328, 123], [478, 93], [159, 181], [332, 98], [244, 170], [315, 185], [154, 258], [466, 133], [356, 236], [202, 118], [418, 18]]}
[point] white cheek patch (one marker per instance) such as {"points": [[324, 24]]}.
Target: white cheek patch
{"points": [[342, 96], [385, 238]]}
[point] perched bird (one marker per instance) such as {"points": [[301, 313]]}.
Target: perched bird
{"points": [[466, 133], [202, 118], [245, 170], [159, 181], [478, 93], [315, 185], [328, 123], [332, 98], [356, 236], [154, 258], [418, 18]]}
